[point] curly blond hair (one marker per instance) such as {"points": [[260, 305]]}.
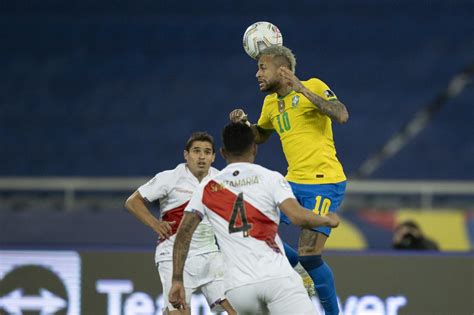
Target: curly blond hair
{"points": [[282, 54]]}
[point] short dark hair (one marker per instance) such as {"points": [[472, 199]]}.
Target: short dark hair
{"points": [[199, 136], [408, 223], [237, 138]]}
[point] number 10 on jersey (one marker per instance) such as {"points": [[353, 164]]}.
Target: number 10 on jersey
{"points": [[322, 208]]}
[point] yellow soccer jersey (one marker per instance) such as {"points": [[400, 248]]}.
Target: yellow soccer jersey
{"points": [[306, 135]]}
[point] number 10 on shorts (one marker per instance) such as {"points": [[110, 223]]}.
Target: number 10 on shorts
{"points": [[322, 208]]}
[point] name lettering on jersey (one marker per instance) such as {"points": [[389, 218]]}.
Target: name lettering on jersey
{"points": [[215, 187], [242, 182]]}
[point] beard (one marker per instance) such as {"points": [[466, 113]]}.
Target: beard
{"points": [[271, 87]]}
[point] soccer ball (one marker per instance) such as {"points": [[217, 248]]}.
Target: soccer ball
{"points": [[259, 36]]}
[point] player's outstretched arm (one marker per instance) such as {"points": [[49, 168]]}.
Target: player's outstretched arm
{"points": [[136, 205], [335, 109], [261, 135], [180, 252], [306, 218]]}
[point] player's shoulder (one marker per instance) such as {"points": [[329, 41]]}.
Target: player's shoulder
{"points": [[269, 98], [166, 178], [320, 88], [168, 173], [212, 175], [172, 174], [213, 171], [314, 82], [179, 170], [267, 173], [208, 181]]}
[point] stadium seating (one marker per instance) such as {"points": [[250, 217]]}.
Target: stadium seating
{"points": [[115, 89], [112, 88]]}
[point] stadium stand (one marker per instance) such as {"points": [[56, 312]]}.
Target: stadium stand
{"points": [[106, 88], [91, 91]]}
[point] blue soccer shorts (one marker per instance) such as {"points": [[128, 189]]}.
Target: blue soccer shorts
{"points": [[320, 198]]}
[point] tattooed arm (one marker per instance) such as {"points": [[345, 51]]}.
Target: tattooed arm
{"points": [[261, 135], [306, 218], [181, 244], [180, 252], [334, 109], [137, 205]]}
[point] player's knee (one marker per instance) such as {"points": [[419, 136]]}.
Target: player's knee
{"points": [[311, 242]]}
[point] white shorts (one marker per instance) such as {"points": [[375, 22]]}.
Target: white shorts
{"points": [[282, 296], [203, 272]]}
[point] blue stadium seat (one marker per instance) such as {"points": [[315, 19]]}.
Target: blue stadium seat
{"points": [[115, 89]]}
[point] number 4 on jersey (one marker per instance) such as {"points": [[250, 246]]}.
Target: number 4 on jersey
{"points": [[239, 208]]}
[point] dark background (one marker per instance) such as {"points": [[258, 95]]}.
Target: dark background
{"points": [[99, 88]]}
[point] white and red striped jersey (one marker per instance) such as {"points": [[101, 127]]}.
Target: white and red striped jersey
{"points": [[241, 202], [173, 189]]}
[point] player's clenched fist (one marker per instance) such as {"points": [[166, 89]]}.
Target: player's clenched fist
{"points": [[164, 229], [238, 115], [333, 219], [177, 295]]}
